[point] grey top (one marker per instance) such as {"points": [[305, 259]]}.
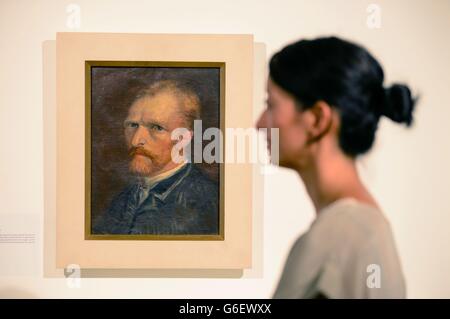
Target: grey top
{"points": [[348, 252]]}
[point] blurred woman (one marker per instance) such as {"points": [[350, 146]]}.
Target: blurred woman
{"points": [[326, 96]]}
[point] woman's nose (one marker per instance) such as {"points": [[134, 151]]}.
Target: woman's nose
{"points": [[262, 121]]}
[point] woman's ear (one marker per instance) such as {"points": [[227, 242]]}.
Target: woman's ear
{"points": [[320, 120]]}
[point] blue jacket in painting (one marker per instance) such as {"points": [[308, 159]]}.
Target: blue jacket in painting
{"points": [[185, 203]]}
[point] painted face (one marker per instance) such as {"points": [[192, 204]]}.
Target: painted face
{"points": [[148, 129]]}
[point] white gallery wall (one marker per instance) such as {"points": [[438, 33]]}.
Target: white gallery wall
{"points": [[408, 170]]}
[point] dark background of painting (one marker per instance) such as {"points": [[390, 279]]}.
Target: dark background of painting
{"points": [[112, 92]]}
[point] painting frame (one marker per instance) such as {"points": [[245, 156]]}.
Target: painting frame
{"points": [[73, 49]]}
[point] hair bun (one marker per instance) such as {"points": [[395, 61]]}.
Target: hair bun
{"points": [[398, 104]]}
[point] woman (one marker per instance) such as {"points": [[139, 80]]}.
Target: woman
{"points": [[326, 96]]}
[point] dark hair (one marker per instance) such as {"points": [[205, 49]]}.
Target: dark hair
{"points": [[183, 90], [348, 78]]}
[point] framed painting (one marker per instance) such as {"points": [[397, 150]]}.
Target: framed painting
{"points": [[131, 111], [134, 188]]}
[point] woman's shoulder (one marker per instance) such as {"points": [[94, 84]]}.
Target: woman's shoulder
{"points": [[333, 256], [347, 232], [350, 220]]}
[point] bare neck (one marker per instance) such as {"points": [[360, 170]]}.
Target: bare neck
{"points": [[332, 176]]}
